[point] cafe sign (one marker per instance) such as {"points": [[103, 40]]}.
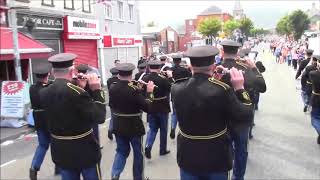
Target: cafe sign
{"points": [[41, 22]]}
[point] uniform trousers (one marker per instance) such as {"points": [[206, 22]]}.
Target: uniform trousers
{"points": [[174, 120], [305, 97], [157, 121], [315, 118], [91, 173], [185, 175], [122, 153], [240, 144], [111, 121], [44, 142]]}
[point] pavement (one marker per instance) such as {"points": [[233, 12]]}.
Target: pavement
{"points": [[284, 144], [7, 134]]}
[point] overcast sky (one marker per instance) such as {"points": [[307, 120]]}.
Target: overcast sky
{"points": [[263, 13]]}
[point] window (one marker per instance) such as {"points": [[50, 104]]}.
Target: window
{"points": [[86, 6], [69, 4], [131, 13], [120, 10], [108, 11], [47, 3]]}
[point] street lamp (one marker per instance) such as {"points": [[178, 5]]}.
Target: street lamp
{"points": [[13, 20]]}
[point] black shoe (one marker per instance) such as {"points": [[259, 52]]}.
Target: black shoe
{"points": [[318, 140], [164, 153], [33, 174], [172, 134], [56, 171], [110, 136], [115, 178], [305, 108], [147, 152]]}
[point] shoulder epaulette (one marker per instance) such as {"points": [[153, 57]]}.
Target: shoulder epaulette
{"points": [[75, 88], [162, 76], [242, 64], [217, 82], [132, 86]]}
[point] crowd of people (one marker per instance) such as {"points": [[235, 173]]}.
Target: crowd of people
{"points": [[213, 103], [306, 66]]}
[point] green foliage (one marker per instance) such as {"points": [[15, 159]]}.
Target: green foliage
{"points": [[209, 27], [299, 22], [295, 23], [258, 31], [230, 26], [245, 25], [283, 26], [151, 24]]}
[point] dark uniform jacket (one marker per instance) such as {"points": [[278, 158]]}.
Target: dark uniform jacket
{"points": [[302, 65], [315, 80], [179, 73], [39, 116], [207, 108], [253, 80], [127, 104], [161, 93], [71, 113], [137, 76], [111, 81], [306, 84]]}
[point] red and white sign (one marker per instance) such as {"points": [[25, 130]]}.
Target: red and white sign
{"points": [[122, 41], [81, 28], [12, 99]]}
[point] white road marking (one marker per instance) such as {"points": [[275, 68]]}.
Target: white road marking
{"points": [[7, 163], [6, 143]]}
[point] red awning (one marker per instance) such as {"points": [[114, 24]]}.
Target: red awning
{"points": [[28, 47]]}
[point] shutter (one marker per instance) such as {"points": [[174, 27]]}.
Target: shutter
{"points": [[85, 49]]}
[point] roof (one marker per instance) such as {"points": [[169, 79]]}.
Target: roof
{"points": [[211, 10], [28, 47]]}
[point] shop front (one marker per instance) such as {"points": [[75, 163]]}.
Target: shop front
{"points": [[125, 48], [80, 37], [45, 28], [28, 49]]}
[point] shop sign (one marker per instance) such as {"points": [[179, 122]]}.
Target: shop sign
{"points": [[122, 41], [12, 99], [41, 22], [81, 28]]}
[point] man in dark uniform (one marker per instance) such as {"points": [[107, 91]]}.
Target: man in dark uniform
{"points": [[306, 84], [206, 109], [164, 67], [82, 70], [302, 66], [253, 81], [158, 116], [42, 73], [315, 98], [127, 103], [142, 60], [72, 113], [142, 69], [110, 82], [178, 74]]}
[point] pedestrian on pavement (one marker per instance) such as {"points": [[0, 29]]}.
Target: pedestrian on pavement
{"points": [[302, 66], [157, 117], [127, 102], [315, 98], [253, 81], [41, 72], [72, 113], [294, 58], [179, 73], [110, 82], [206, 109]]}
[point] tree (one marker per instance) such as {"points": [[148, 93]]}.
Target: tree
{"points": [[245, 25], [230, 26], [209, 27], [283, 26], [258, 31], [151, 24], [298, 22]]}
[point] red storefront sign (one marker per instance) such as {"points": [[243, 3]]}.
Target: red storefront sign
{"points": [[81, 28], [129, 41]]}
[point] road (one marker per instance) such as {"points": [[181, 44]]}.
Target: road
{"points": [[284, 144]]}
